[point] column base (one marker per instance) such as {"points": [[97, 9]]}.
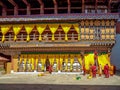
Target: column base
{"points": [[12, 71], [59, 71], [35, 71]]}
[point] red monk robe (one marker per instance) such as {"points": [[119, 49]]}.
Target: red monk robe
{"points": [[94, 71], [50, 69], [106, 71]]}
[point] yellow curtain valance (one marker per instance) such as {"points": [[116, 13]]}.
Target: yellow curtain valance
{"points": [[53, 29], [103, 60], [89, 59], [40, 28], [4, 30], [16, 30], [28, 28], [76, 26], [66, 28]]}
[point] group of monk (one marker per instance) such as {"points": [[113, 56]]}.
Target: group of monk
{"points": [[93, 70]]}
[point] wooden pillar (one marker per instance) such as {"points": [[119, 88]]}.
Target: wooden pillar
{"points": [[69, 5], [14, 63], [41, 6], [96, 6], [42, 9], [8, 68], [4, 11], [28, 7], [15, 10], [35, 68], [55, 7], [109, 6], [28, 10], [69, 10], [83, 6]]}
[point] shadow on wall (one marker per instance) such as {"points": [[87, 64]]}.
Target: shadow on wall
{"points": [[115, 54], [5, 56]]}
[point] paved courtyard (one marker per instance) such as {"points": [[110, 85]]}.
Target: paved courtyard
{"points": [[57, 81]]}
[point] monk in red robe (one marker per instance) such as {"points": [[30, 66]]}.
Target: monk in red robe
{"points": [[106, 71], [50, 69], [94, 70]]}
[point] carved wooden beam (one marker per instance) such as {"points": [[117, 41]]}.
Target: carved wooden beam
{"points": [[40, 1], [55, 2], [28, 6], [13, 3], [25, 1], [1, 4], [41, 6], [55, 6], [69, 4], [15, 6]]}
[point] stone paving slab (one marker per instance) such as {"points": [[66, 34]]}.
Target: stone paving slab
{"points": [[58, 82]]}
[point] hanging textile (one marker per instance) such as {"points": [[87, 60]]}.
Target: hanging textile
{"points": [[28, 28], [66, 28], [16, 30], [37, 57], [51, 59], [35, 62], [40, 28], [4, 30], [89, 59], [53, 29], [57, 62], [21, 58], [29, 66], [29, 62], [76, 26], [43, 60], [103, 60], [80, 60], [61, 61], [71, 62], [25, 60], [66, 62]]}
